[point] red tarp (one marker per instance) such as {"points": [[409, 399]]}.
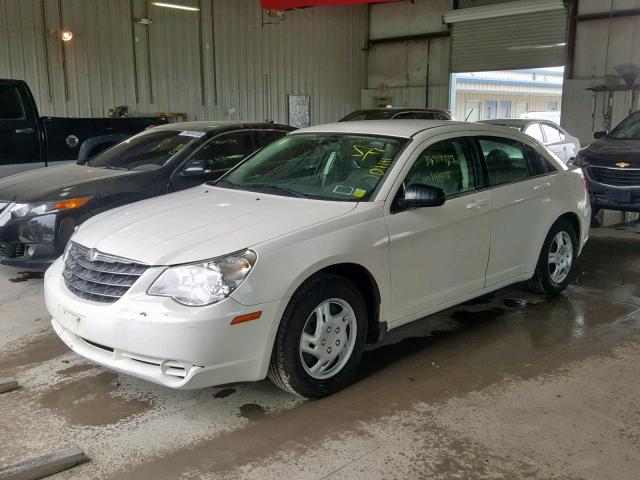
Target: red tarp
{"points": [[288, 4]]}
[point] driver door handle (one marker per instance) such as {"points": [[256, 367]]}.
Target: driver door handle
{"points": [[542, 186], [478, 204], [24, 131]]}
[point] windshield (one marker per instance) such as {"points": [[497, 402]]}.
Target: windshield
{"points": [[323, 166], [628, 129], [147, 151], [369, 115]]}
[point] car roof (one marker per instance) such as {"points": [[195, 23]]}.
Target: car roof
{"points": [[395, 128], [209, 125], [509, 121], [402, 109]]}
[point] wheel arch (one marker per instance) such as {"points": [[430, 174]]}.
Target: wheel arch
{"points": [[366, 283], [574, 220]]}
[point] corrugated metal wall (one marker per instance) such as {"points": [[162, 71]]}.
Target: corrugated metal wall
{"points": [[407, 72], [316, 52]]}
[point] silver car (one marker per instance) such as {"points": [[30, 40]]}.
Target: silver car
{"points": [[550, 134]]}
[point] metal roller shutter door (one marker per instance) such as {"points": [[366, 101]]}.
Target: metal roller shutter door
{"points": [[506, 42]]}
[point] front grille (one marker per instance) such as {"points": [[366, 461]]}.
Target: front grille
{"points": [[104, 279], [618, 177], [20, 248], [12, 250]]}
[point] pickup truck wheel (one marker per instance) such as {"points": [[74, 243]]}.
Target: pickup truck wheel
{"points": [[320, 339], [557, 257]]}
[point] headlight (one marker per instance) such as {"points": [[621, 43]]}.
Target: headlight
{"points": [[204, 283], [21, 210], [580, 161]]}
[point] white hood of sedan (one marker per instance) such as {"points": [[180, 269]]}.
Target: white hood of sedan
{"points": [[201, 223]]}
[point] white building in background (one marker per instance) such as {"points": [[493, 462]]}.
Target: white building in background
{"points": [[506, 94]]}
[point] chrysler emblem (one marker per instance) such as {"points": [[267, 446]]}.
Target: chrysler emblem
{"points": [[622, 164], [92, 255]]}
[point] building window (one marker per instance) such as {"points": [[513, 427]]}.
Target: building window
{"points": [[491, 110], [521, 107], [552, 106], [472, 111], [505, 108]]}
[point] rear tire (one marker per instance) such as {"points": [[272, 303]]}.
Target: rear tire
{"points": [[320, 339], [556, 260]]}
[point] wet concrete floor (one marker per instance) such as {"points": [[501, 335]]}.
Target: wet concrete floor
{"points": [[512, 385]]}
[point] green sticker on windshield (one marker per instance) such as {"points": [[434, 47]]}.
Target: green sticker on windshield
{"points": [[358, 192]]}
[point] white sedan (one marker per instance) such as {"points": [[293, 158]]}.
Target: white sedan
{"points": [[549, 133], [313, 247]]}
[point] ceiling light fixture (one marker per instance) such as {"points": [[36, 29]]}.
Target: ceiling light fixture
{"points": [[66, 35], [176, 6]]}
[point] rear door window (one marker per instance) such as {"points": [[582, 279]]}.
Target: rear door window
{"points": [[534, 131], [447, 165], [507, 160], [552, 133], [10, 104]]}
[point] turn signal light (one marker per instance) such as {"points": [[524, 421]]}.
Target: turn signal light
{"points": [[70, 203], [246, 318]]}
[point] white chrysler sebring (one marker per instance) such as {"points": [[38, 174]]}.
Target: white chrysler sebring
{"points": [[314, 246]]}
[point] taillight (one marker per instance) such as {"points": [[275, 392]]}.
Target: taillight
{"points": [[585, 180]]}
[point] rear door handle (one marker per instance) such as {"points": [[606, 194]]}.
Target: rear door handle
{"points": [[542, 186], [478, 204], [24, 131]]}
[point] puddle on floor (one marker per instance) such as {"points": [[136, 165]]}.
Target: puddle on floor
{"points": [[90, 401], [224, 393], [38, 350], [253, 412]]}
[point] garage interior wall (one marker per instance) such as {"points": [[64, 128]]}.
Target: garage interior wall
{"points": [[412, 72], [233, 68], [600, 45], [404, 71]]}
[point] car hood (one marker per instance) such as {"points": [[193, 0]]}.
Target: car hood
{"points": [[201, 223], [609, 151], [51, 183]]}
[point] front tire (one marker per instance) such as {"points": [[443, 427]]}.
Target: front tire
{"points": [[320, 339], [556, 260]]}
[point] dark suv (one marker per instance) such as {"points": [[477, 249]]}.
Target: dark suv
{"points": [[612, 165]]}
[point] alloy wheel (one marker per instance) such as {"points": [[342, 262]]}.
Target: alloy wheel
{"points": [[328, 338], [560, 257]]}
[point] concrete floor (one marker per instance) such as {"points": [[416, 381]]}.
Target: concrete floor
{"points": [[513, 386]]}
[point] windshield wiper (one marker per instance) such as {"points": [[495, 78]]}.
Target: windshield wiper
{"points": [[111, 167], [278, 188]]}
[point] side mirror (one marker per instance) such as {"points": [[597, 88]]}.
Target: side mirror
{"points": [[601, 134], [418, 195], [192, 171]]}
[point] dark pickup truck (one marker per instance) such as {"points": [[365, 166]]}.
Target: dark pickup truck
{"points": [[29, 141]]}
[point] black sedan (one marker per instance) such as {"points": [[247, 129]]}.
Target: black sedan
{"points": [[40, 209]]}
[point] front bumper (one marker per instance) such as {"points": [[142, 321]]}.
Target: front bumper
{"points": [[161, 341], [33, 243], [613, 197]]}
